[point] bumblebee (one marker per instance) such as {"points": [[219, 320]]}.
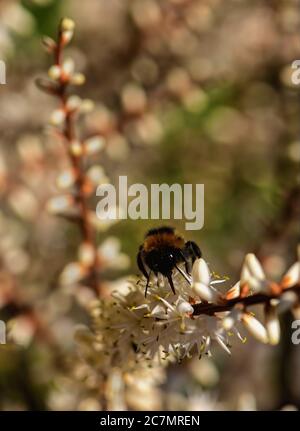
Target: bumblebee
{"points": [[162, 251]]}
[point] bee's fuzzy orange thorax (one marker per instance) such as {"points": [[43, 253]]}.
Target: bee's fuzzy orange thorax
{"points": [[164, 239]]}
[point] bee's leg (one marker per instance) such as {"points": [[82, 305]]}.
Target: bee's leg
{"points": [[183, 273], [169, 277], [186, 264], [141, 265], [142, 268], [192, 250], [148, 280]]}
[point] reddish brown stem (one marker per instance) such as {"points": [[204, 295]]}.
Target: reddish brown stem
{"points": [[259, 298], [69, 134]]}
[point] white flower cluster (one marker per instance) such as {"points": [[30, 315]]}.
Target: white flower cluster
{"points": [[166, 325]]}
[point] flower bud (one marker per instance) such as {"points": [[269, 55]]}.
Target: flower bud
{"points": [[24, 203], [296, 311], [233, 292], [229, 321], [86, 254], [68, 67], [205, 292], [93, 145], [184, 307], [254, 266], [54, 72], [292, 276], [67, 24], [21, 330], [97, 175], [72, 273], [252, 274], [76, 148], [287, 300], [87, 106], [59, 204], [49, 44], [200, 272], [67, 36], [255, 327], [74, 102], [66, 179], [57, 117], [133, 99], [78, 79], [272, 325]]}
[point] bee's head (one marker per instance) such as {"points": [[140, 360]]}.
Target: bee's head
{"points": [[162, 260]]}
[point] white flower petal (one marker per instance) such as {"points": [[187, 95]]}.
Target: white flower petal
{"points": [[72, 273], [292, 276], [287, 300], [205, 292], [234, 291], [94, 144], [255, 327], [272, 325], [184, 307], [254, 266], [200, 272], [253, 275]]}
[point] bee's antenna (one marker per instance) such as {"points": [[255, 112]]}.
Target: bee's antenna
{"points": [[183, 274], [171, 283]]}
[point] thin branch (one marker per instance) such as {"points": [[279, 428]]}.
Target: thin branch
{"points": [[244, 302], [69, 134]]}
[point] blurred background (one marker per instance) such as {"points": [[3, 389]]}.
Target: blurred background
{"points": [[185, 91]]}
